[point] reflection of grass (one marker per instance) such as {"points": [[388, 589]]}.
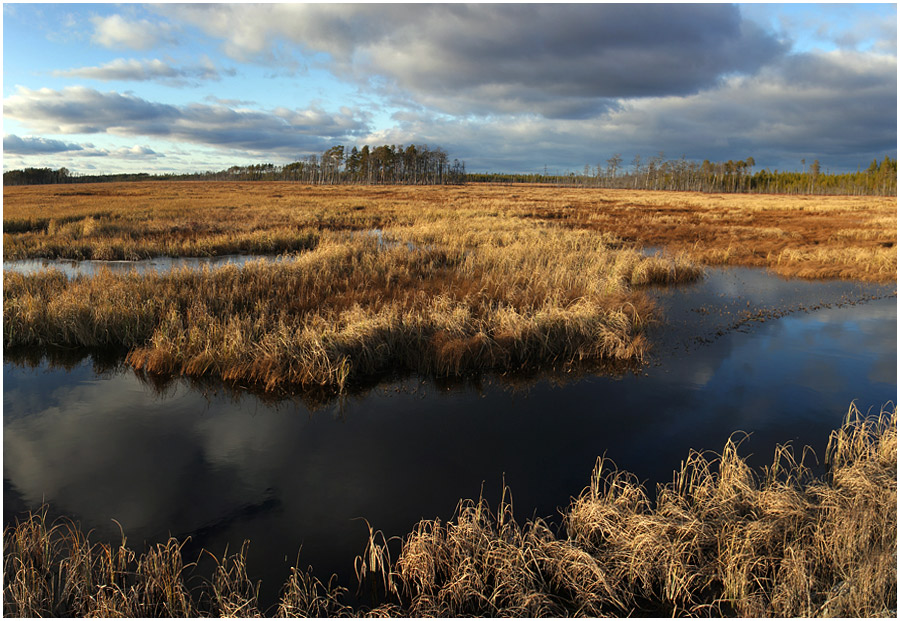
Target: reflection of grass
{"points": [[718, 540], [811, 237], [452, 298]]}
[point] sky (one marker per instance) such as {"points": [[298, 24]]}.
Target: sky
{"points": [[106, 88]]}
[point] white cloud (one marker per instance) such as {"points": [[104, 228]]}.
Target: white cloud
{"points": [[82, 110], [145, 70], [116, 32], [29, 145]]}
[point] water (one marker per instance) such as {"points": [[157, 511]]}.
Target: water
{"points": [[223, 467], [73, 268]]}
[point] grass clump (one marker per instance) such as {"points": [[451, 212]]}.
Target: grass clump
{"points": [[719, 540], [436, 298]]}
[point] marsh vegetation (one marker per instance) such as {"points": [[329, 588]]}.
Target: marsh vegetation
{"points": [[806, 236], [720, 539], [450, 283], [408, 286], [438, 281]]}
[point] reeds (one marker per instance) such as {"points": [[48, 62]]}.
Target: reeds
{"points": [[719, 540], [810, 237], [436, 297]]}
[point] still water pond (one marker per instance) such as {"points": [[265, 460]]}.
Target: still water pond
{"points": [[222, 467], [73, 268]]}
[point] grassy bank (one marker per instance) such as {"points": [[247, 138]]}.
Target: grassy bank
{"points": [[438, 296], [806, 236], [719, 540], [444, 281]]}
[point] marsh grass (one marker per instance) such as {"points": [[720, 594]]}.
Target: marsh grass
{"points": [[441, 281], [806, 236], [720, 540], [436, 297]]}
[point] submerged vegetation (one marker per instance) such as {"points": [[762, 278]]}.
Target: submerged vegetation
{"points": [[719, 540]]}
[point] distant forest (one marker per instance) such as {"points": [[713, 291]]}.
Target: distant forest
{"points": [[879, 179], [384, 165], [422, 165]]}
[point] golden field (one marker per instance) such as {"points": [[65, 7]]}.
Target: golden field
{"points": [[448, 282], [806, 236], [381, 282], [441, 281]]}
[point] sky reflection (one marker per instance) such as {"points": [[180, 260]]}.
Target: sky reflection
{"points": [[223, 469]]}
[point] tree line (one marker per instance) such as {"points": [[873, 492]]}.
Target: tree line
{"points": [[731, 176], [382, 165], [422, 165]]}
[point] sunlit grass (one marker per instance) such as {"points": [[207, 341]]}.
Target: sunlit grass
{"points": [[138, 220], [720, 540], [441, 281], [436, 297]]}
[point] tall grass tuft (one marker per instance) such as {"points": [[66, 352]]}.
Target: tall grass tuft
{"points": [[444, 300], [720, 540]]}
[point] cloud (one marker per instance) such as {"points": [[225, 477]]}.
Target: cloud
{"points": [[559, 61], [838, 107], [81, 110], [28, 145], [230, 102], [116, 32], [136, 152], [146, 70]]}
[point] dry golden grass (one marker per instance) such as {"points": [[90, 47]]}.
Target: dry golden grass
{"points": [[720, 540], [437, 280], [807, 236], [430, 294], [803, 236]]}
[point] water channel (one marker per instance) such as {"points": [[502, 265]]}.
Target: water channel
{"points": [[742, 350]]}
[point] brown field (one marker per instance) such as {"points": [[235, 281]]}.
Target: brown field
{"points": [[427, 292], [805, 236], [441, 281], [720, 540]]}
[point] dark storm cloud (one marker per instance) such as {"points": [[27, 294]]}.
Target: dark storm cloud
{"points": [[564, 61], [839, 107], [799, 110], [80, 110], [606, 51], [13, 144]]}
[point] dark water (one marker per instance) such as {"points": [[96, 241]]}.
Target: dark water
{"points": [[224, 468]]}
